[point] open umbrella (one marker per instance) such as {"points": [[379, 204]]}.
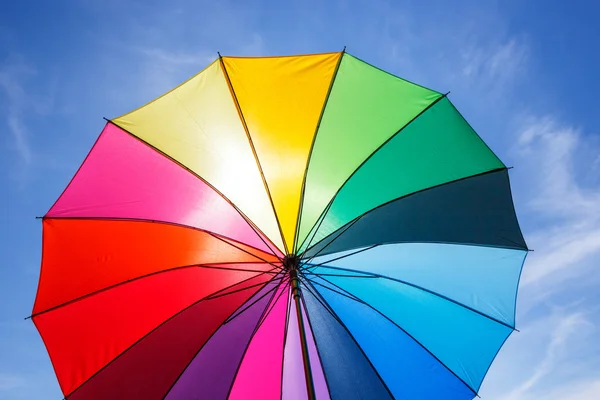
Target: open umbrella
{"points": [[282, 227]]}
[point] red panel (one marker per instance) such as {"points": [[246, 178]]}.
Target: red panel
{"points": [[85, 335], [83, 256], [147, 370]]}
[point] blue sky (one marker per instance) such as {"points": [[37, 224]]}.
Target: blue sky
{"points": [[523, 73]]}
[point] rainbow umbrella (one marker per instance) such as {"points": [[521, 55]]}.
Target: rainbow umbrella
{"points": [[282, 227]]}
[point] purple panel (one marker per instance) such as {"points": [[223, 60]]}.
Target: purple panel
{"points": [[211, 373], [294, 383]]}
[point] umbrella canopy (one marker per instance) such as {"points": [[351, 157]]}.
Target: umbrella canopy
{"points": [[282, 227]]}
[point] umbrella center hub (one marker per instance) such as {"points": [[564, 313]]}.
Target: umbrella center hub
{"points": [[290, 265], [290, 262]]}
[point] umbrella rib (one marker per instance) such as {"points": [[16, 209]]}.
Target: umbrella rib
{"points": [[104, 289], [337, 258], [216, 296], [347, 294], [160, 325], [434, 102], [314, 232], [231, 318], [285, 280], [340, 233], [239, 248], [207, 340], [361, 249], [323, 302], [262, 174], [312, 145], [263, 316], [414, 339], [255, 228], [439, 295]]}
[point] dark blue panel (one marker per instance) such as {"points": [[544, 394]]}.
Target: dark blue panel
{"points": [[477, 210], [407, 368], [348, 372]]}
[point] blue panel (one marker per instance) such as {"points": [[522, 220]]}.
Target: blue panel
{"points": [[466, 342], [407, 368], [483, 278], [348, 372]]}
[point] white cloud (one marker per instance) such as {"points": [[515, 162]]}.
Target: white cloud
{"points": [[568, 212], [495, 63], [19, 104], [563, 332], [554, 365], [16, 100], [553, 148]]}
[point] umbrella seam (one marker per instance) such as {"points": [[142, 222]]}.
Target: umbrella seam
{"points": [[264, 314], [312, 144], [264, 179], [338, 319], [441, 296], [262, 236], [154, 329], [491, 171], [411, 336], [211, 336], [433, 103], [315, 343], [163, 271], [285, 333], [424, 348], [218, 236]]}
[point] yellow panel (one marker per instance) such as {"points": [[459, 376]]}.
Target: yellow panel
{"points": [[281, 99], [198, 125]]}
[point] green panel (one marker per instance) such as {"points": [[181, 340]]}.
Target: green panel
{"points": [[365, 108], [437, 147]]}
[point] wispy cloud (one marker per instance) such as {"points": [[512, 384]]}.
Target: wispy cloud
{"points": [[568, 211], [496, 63], [19, 105], [564, 331], [554, 365], [16, 103]]}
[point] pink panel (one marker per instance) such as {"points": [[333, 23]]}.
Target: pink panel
{"points": [[124, 178], [259, 376]]}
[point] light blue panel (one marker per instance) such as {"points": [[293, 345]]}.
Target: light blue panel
{"points": [[348, 372], [483, 278], [466, 342], [409, 371]]}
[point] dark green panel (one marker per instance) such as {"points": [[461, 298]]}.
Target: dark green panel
{"points": [[437, 147], [477, 210], [366, 107]]}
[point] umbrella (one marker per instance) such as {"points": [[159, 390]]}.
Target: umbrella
{"points": [[282, 227]]}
